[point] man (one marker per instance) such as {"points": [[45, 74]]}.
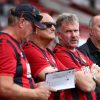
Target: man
{"points": [[42, 60], [68, 33], [15, 76], [92, 47]]}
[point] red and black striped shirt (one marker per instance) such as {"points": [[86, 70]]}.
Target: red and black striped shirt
{"points": [[13, 61]]}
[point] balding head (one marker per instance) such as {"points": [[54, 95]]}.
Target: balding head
{"points": [[46, 17], [94, 20], [95, 30]]}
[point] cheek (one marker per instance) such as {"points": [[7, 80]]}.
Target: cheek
{"points": [[65, 39], [96, 31], [97, 35], [29, 28]]}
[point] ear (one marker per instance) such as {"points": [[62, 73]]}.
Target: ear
{"points": [[59, 35], [21, 22], [91, 32]]}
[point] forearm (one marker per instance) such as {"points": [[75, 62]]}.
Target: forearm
{"points": [[85, 82], [15, 92], [48, 69], [19, 93]]}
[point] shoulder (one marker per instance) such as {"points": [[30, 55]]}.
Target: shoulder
{"points": [[27, 45], [58, 48], [8, 42], [4, 37], [84, 48]]}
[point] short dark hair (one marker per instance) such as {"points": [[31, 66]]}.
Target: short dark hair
{"points": [[12, 19]]}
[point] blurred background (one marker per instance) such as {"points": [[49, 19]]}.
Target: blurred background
{"points": [[84, 9]]}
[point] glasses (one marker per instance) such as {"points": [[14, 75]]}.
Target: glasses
{"points": [[49, 24]]}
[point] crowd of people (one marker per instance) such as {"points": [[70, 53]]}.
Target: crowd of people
{"points": [[25, 56]]}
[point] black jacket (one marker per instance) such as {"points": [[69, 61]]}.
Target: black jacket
{"points": [[91, 51]]}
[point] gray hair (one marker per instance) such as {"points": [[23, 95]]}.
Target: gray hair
{"points": [[91, 22], [67, 17]]}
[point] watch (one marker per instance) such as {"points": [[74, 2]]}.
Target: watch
{"points": [[94, 78]]}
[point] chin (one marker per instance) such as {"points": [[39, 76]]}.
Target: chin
{"points": [[74, 46]]}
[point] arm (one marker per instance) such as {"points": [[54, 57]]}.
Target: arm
{"points": [[48, 69], [84, 82], [8, 89], [95, 70], [38, 62]]}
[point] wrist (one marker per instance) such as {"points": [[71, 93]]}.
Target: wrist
{"points": [[94, 78]]}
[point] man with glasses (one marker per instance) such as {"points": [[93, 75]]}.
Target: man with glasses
{"points": [[41, 59], [16, 82]]}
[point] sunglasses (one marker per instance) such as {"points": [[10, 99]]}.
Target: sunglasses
{"points": [[49, 24]]}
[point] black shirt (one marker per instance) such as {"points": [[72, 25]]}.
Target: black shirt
{"points": [[91, 51]]}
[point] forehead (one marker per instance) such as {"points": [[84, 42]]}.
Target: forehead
{"points": [[70, 24], [97, 20], [47, 18]]}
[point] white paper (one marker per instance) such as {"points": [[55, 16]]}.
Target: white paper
{"points": [[61, 80]]}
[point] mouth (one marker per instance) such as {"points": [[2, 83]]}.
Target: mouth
{"points": [[74, 41], [51, 32]]}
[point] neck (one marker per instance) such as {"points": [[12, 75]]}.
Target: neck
{"points": [[42, 43], [96, 43], [72, 49]]}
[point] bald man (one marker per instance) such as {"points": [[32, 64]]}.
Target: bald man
{"points": [[92, 47], [41, 59]]}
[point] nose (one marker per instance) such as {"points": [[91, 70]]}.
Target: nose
{"points": [[53, 27], [74, 33]]}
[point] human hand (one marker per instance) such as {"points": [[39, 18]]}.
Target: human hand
{"points": [[95, 69], [43, 91]]}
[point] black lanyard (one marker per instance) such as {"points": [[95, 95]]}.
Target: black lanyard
{"points": [[75, 58], [45, 55]]}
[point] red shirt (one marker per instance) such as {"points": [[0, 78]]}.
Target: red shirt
{"points": [[13, 61], [40, 59], [79, 60]]}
